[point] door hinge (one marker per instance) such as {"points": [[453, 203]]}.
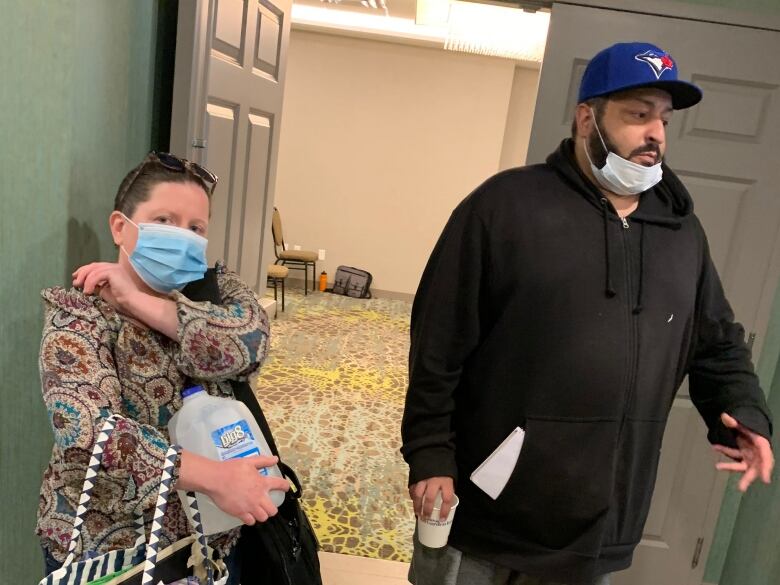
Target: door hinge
{"points": [[751, 340], [199, 143], [697, 553]]}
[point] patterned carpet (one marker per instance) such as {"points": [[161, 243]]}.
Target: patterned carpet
{"points": [[332, 389]]}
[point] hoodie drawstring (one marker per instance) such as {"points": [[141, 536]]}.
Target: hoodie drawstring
{"points": [[609, 290], [638, 307], [667, 207]]}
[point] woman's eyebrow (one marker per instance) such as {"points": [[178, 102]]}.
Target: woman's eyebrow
{"points": [[162, 211]]}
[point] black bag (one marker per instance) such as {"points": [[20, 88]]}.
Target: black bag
{"points": [[283, 549], [352, 282]]}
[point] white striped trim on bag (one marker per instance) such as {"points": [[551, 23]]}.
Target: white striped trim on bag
{"points": [[116, 560], [86, 491]]}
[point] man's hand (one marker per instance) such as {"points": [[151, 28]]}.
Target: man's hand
{"points": [[753, 456], [423, 494]]}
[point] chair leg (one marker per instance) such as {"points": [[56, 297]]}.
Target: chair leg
{"points": [[276, 309], [282, 295], [305, 280]]}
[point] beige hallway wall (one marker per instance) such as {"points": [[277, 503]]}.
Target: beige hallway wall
{"points": [[519, 118], [381, 141]]}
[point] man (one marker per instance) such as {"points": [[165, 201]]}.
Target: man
{"points": [[570, 299]]}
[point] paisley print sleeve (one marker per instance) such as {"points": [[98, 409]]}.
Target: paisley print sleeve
{"points": [[222, 342], [81, 389]]}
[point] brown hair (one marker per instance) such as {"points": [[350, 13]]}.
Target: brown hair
{"points": [[145, 177]]}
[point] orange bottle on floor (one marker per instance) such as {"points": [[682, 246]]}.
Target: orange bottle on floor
{"points": [[323, 281]]}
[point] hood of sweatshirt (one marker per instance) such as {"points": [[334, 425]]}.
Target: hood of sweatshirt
{"points": [[668, 203], [665, 205]]}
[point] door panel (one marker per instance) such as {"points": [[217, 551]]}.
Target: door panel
{"points": [[244, 56], [267, 46], [721, 149], [230, 29], [221, 127], [258, 152]]}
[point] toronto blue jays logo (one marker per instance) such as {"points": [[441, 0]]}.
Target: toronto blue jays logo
{"points": [[658, 63]]}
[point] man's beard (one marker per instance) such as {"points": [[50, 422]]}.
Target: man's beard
{"points": [[599, 154]]}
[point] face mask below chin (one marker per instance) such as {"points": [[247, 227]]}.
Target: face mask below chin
{"points": [[621, 176]]}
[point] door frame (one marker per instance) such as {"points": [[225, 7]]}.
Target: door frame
{"points": [[190, 78]]}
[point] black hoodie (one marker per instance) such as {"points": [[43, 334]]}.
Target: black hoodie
{"points": [[541, 308]]}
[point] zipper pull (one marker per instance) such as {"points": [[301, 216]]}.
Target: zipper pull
{"points": [[625, 223]]}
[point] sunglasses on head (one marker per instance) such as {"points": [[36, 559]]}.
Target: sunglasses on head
{"points": [[178, 165]]}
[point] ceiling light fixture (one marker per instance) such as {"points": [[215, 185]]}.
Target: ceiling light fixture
{"points": [[469, 27], [497, 31], [309, 17]]}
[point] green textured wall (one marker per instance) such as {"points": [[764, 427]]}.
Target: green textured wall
{"points": [[752, 554], [746, 531], [747, 526], [76, 101]]}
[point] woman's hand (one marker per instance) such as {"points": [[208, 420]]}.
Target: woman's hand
{"points": [[242, 492], [110, 281], [235, 485], [120, 290]]}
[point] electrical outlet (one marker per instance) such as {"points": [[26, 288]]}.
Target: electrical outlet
{"points": [[321, 254], [296, 247]]}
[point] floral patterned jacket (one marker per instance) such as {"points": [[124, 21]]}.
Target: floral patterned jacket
{"points": [[95, 362]]}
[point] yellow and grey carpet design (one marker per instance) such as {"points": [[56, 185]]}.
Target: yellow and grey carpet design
{"points": [[333, 390]]}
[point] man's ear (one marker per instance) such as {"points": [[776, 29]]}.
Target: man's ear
{"points": [[585, 121]]}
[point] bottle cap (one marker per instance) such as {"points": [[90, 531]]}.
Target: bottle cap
{"points": [[191, 390]]}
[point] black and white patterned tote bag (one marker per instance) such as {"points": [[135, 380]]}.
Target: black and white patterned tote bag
{"points": [[143, 563]]}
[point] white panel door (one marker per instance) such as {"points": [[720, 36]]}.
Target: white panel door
{"points": [[230, 65], [726, 152]]}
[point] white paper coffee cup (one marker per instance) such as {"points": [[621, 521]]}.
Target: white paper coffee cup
{"points": [[434, 532]]}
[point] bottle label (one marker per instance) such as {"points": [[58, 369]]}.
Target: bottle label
{"points": [[235, 441]]}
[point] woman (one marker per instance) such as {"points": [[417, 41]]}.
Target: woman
{"points": [[126, 341]]}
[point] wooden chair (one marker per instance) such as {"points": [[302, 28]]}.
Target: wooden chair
{"points": [[295, 259], [276, 276]]}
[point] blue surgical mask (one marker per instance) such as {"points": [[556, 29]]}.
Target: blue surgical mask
{"points": [[621, 176], [167, 257]]}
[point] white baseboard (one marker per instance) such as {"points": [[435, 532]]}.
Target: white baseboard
{"points": [[269, 305]]}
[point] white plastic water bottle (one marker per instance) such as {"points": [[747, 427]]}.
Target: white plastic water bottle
{"points": [[219, 429]]}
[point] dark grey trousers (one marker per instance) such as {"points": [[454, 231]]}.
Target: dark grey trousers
{"points": [[449, 566]]}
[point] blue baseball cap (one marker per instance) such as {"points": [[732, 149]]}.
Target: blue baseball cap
{"points": [[633, 65]]}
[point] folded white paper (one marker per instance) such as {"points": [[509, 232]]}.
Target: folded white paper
{"points": [[493, 474]]}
